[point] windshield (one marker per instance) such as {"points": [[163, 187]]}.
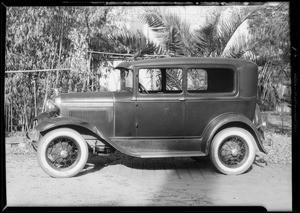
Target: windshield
{"points": [[121, 80]]}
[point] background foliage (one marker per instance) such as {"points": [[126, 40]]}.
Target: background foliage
{"points": [[61, 37]]}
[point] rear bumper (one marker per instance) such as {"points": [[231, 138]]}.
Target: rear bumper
{"points": [[262, 142]]}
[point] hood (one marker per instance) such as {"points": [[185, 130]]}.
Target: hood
{"points": [[84, 98], [95, 108]]}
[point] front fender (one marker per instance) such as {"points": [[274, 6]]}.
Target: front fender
{"points": [[65, 121], [228, 119]]}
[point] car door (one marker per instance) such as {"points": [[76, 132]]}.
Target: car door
{"points": [[160, 103], [125, 106], [210, 93]]}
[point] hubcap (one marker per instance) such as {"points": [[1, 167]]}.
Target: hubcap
{"points": [[64, 153], [234, 152]]}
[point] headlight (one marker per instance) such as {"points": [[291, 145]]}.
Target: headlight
{"points": [[57, 101], [51, 107]]}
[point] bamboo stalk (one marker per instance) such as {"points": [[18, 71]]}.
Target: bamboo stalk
{"points": [[53, 59], [88, 82], [11, 124], [8, 117], [46, 93], [56, 81], [34, 94], [23, 118], [26, 118], [90, 58], [93, 83], [84, 82], [6, 120], [59, 54]]}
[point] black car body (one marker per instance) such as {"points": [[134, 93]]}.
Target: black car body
{"points": [[172, 107]]}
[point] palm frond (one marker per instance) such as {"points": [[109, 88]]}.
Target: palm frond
{"points": [[238, 41], [153, 17], [205, 37], [249, 55], [267, 92], [173, 33], [127, 42], [237, 36]]}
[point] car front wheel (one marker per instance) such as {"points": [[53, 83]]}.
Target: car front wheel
{"points": [[233, 150], [62, 153]]}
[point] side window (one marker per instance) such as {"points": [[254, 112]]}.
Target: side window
{"points": [[160, 80], [150, 80], [174, 80], [126, 78], [210, 80], [196, 80]]}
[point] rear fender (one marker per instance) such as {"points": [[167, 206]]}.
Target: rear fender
{"points": [[63, 121], [230, 120]]}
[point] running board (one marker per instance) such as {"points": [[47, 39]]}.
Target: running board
{"points": [[169, 154], [160, 147]]}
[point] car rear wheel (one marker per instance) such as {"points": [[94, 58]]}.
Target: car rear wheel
{"points": [[62, 153], [233, 150]]}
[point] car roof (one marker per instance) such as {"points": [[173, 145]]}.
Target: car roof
{"points": [[184, 60]]}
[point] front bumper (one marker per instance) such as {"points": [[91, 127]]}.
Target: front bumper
{"points": [[33, 136]]}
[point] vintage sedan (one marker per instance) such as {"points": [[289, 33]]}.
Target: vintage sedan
{"points": [[171, 107]]}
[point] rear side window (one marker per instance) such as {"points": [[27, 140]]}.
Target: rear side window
{"points": [[197, 80], [210, 80]]}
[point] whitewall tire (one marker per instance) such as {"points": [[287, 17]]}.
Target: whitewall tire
{"points": [[62, 153], [233, 150]]}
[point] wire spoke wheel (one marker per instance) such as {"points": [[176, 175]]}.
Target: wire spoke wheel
{"points": [[233, 151], [62, 153]]}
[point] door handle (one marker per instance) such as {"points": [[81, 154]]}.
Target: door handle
{"points": [[181, 99]]}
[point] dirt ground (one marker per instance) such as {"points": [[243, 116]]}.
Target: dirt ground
{"points": [[119, 180], [126, 181]]}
